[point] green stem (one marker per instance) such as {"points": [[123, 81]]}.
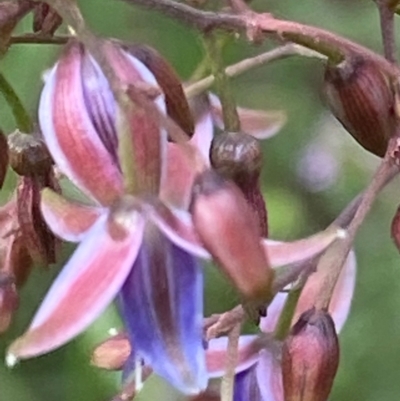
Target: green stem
{"points": [[228, 103], [24, 122], [286, 317]]}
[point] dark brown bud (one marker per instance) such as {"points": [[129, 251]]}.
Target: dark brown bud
{"points": [[310, 357], [177, 104], [237, 156], [45, 19], [3, 158], [9, 301], [11, 12], [361, 98], [28, 155], [39, 240], [229, 230], [395, 228]]}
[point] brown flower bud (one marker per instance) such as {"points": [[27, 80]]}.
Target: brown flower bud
{"points": [[238, 157], [112, 353], [175, 99], [39, 240], [230, 232], [3, 158], [310, 357], [28, 155], [361, 98], [11, 12], [45, 19], [9, 300], [395, 228]]}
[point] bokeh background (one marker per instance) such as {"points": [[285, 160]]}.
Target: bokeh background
{"points": [[312, 169]]}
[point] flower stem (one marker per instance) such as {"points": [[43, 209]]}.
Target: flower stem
{"points": [[286, 316], [248, 64], [334, 258], [22, 119], [386, 16], [228, 103]]}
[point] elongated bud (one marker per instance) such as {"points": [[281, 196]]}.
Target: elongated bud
{"points": [[310, 357], [175, 99], [45, 19], [237, 156], [230, 232], [360, 97], [9, 301]]}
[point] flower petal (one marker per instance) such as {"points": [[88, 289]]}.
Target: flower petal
{"points": [[285, 253], [269, 376], [86, 285], [67, 219], [177, 226], [70, 134], [216, 355], [258, 123], [162, 305], [246, 386], [339, 306]]}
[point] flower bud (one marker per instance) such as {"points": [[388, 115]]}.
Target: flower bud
{"points": [[28, 155], [310, 357], [9, 301], [237, 156], [230, 232], [45, 19], [175, 99], [395, 229], [360, 97], [3, 158], [112, 353]]}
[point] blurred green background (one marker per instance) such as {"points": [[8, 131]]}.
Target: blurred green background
{"points": [[312, 169]]}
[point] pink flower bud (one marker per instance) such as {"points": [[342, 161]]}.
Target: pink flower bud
{"points": [[229, 230], [310, 357]]}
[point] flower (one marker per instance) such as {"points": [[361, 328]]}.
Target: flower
{"points": [[259, 376], [137, 247]]}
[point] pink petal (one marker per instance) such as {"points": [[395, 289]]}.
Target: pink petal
{"points": [[339, 306], [216, 355], [258, 123], [176, 186], [87, 284], [67, 219], [203, 135], [177, 226], [70, 135], [285, 253], [342, 296]]}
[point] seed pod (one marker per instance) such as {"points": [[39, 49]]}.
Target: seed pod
{"points": [[310, 357], [230, 232], [237, 156], [361, 98]]}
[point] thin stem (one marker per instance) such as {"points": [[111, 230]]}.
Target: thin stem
{"points": [[252, 24], [22, 119], [386, 16], [248, 64], [334, 258], [30, 38], [227, 383], [286, 316], [228, 103]]}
